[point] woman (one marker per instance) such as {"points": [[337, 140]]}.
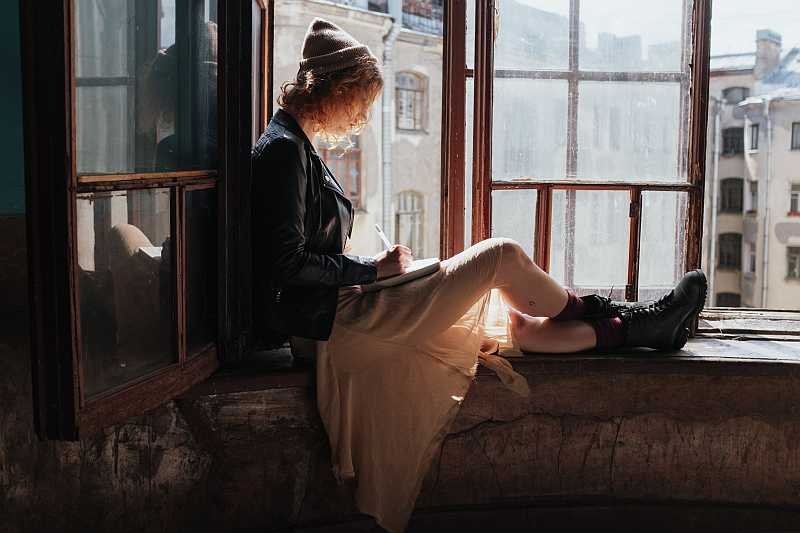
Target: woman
{"points": [[394, 365]]}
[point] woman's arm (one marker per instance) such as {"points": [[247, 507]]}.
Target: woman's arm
{"points": [[281, 203]]}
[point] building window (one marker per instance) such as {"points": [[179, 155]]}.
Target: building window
{"points": [[751, 258], [345, 164], [410, 95], [734, 95], [793, 261], [732, 141], [410, 221], [754, 136], [731, 195], [730, 251], [729, 299], [795, 135], [753, 206], [794, 200]]}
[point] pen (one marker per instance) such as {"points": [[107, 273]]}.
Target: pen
{"points": [[382, 235]]}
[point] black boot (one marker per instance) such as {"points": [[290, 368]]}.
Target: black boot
{"points": [[602, 307], [664, 324]]}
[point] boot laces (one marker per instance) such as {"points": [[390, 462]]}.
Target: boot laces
{"points": [[647, 313]]}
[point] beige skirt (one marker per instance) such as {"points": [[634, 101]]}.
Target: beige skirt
{"points": [[396, 368]]}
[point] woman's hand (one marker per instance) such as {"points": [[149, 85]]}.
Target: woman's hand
{"points": [[393, 261]]}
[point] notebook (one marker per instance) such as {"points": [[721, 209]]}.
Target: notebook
{"points": [[417, 269]]}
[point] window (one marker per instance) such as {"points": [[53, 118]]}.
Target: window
{"points": [[753, 202], [754, 136], [391, 154], [729, 299], [127, 239], [734, 95], [731, 195], [730, 251], [793, 262], [410, 97], [410, 221], [795, 135], [566, 104], [345, 163], [794, 200], [751, 258], [732, 141]]}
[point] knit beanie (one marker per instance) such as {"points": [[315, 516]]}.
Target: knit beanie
{"points": [[327, 48]]}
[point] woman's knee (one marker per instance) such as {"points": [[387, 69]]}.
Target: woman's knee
{"points": [[509, 248], [512, 253]]}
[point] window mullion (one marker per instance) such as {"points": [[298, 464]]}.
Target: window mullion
{"points": [[482, 129], [453, 128], [634, 244], [572, 141], [696, 145]]}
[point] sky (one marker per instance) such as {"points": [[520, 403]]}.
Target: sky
{"points": [[734, 22]]}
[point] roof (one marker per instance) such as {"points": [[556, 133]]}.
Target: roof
{"points": [[783, 93], [788, 72], [743, 61]]}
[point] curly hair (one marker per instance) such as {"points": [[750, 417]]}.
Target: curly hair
{"points": [[336, 103]]}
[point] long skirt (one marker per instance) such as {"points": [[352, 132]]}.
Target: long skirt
{"points": [[398, 365]]}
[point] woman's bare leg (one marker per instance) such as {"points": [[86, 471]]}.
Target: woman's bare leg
{"points": [[525, 286], [543, 335]]}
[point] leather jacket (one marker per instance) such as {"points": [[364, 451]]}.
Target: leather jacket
{"points": [[301, 221]]}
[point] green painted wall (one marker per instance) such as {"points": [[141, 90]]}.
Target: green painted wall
{"points": [[12, 177]]}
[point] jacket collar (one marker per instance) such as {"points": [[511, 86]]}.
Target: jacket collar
{"points": [[285, 119]]}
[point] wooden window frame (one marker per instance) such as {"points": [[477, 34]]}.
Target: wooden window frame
{"points": [[52, 184], [692, 141]]}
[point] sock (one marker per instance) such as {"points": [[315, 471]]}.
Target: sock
{"points": [[610, 332], [575, 309]]}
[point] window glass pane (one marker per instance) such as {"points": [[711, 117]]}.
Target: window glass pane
{"points": [[629, 131], [126, 286], [415, 155], [631, 35], [529, 129], [662, 242], [146, 79], [514, 216], [589, 248], [468, 132], [201, 269], [532, 34]]}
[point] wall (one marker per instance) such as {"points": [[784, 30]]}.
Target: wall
{"points": [[783, 293], [12, 182]]}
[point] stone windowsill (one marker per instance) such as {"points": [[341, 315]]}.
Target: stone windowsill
{"points": [[726, 339]]}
